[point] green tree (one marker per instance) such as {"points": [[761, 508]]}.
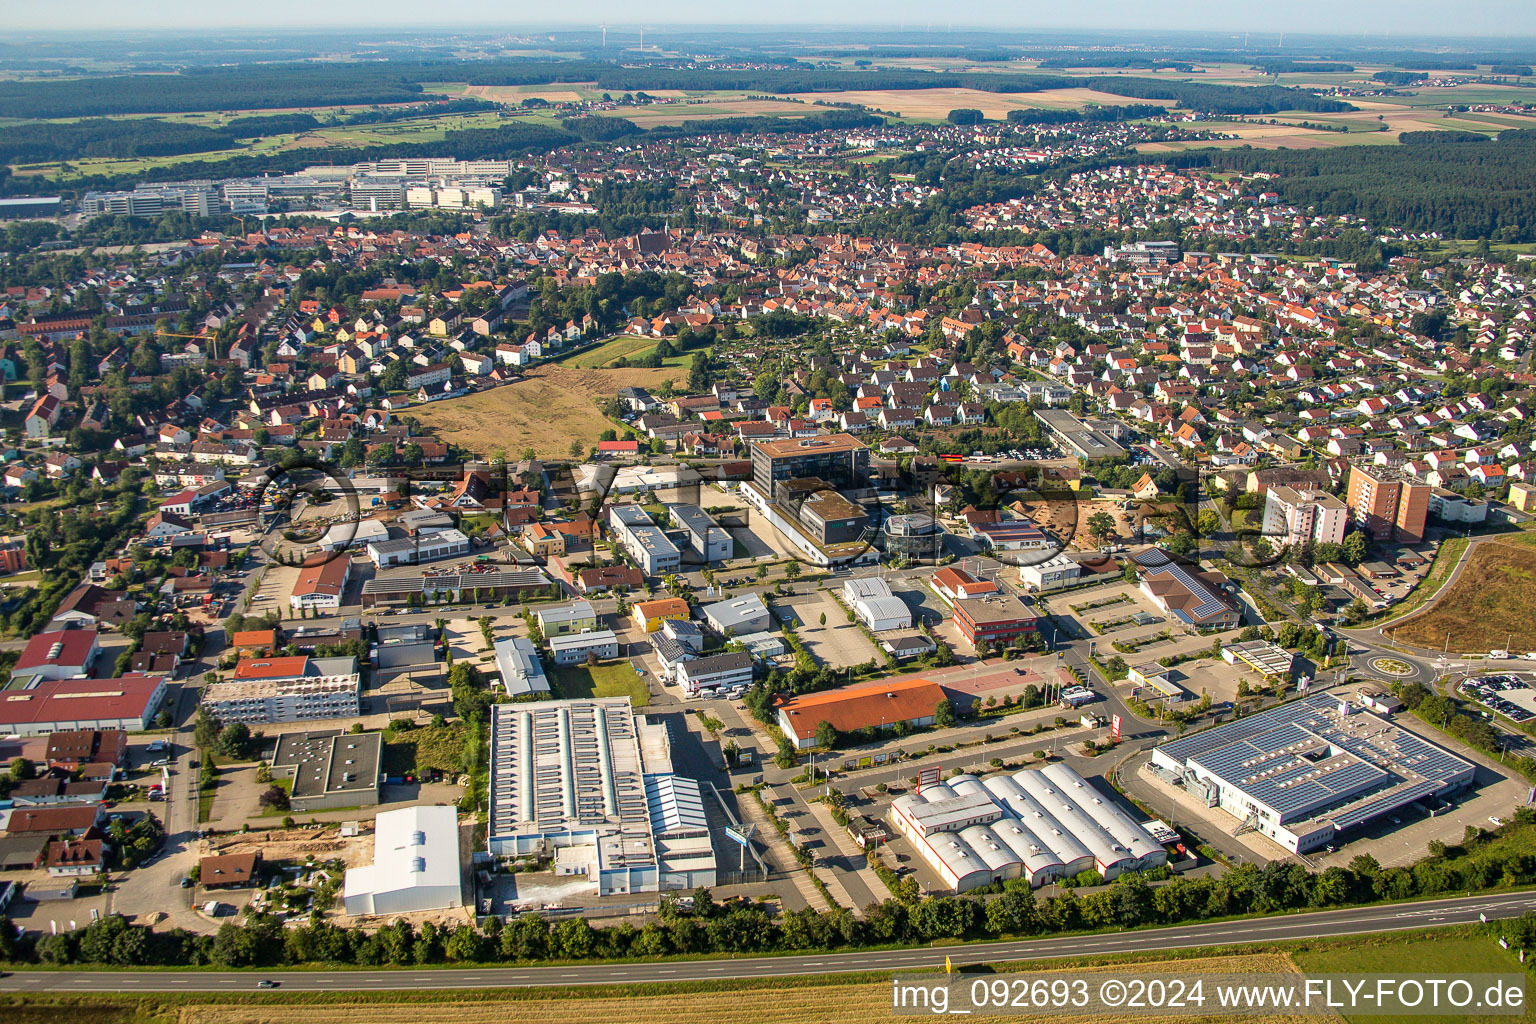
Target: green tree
{"points": [[944, 714]]}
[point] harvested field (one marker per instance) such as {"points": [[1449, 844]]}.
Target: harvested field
{"points": [[935, 104], [787, 1001], [555, 405], [1493, 599]]}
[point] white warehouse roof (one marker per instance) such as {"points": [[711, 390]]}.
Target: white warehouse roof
{"points": [[415, 863]]}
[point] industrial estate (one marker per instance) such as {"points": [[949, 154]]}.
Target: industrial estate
{"points": [[556, 504]]}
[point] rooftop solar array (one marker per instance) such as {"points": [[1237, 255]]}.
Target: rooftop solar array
{"points": [[1157, 563], [1320, 757]]}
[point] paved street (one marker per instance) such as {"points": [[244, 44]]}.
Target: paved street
{"points": [[1355, 921]]}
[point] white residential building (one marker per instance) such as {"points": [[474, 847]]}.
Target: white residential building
{"points": [[1296, 517]]}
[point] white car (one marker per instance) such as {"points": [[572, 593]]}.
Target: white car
{"points": [[1496, 821]]}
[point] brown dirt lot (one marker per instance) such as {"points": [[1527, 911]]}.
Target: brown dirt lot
{"points": [[555, 405], [1493, 599], [790, 1001]]}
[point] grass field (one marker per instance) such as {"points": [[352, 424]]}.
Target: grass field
{"points": [[440, 747], [555, 405], [613, 679], [628, 346], [1494, 598], [1438, 958]]}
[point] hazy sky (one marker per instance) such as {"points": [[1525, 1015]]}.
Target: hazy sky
{"points": [[1378, 17]]}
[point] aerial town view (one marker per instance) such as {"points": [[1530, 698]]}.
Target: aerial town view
{"points": [[645, 513]]}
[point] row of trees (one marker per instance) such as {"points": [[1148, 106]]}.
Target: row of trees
{"points": [[1477, 863]]}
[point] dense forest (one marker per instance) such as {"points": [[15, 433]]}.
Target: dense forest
{"points": [[1462, 189], [269, 86], [1059, 115], [126, 138], [253, 87], [501, 142], [36, 141]]}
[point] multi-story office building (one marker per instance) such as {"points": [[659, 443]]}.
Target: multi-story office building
{"points": [[1297, 516], [995, 618], [290, 689], [1388, 505], [839, 459], [195, 197], [376, 194]]}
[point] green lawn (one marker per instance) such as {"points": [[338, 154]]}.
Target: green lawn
{"points": [[1443, 957], [610, 679], [628, 346], [608, 351]]}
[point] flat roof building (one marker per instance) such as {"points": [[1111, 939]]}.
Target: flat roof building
{"points": [[643, 541], [1268, 659], [574, 648], [1078, 437], [994, 618], [1296, 517], [423, 547], [1388, 504], [590, 784], [288, 689], [1311, 769], [707, 541], [329, 769], [840, 459]]}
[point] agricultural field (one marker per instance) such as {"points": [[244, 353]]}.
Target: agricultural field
{"points": [[778, 1001], [555, 405], [1494, 597]]}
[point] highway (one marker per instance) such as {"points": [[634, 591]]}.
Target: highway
{"points": [[1354, 921]]}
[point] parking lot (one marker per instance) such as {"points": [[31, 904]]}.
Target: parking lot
{"points": [[838, 644], [276, 587], [1509, 695]]}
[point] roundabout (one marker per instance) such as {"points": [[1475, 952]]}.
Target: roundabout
{"points": [[1392, 667]]}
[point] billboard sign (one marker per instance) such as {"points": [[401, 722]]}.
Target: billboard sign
{"points": [[929, 776], [1114, 729]]}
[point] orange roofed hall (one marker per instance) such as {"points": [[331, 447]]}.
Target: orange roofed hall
{"points": [[879, 704]]}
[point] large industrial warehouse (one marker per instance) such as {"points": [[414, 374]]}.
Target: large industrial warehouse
{"points": [[1310, 769], [1038, 825], [589, 785]]}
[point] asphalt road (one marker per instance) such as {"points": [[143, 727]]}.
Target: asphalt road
{"points": [[1365, 920]]}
